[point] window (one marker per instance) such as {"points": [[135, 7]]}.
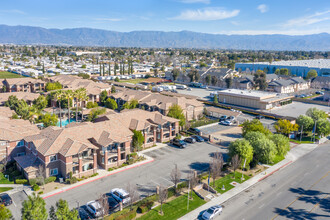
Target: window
{"points": [[20, 143], [3, 143], [53, 172], [20, 154], [53, 158]]}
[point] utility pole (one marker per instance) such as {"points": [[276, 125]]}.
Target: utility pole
{"points": [[302, 129], [188, 195]]}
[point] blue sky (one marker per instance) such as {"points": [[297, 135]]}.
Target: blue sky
{"points": [[208, 16]]}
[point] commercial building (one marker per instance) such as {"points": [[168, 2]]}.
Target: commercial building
{"points": [[253, 99], [295, 67]]}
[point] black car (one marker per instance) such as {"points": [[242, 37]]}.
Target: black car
{"points": [[223, 118], [194, 131], [5, 199], [190, 140], [260, 117], [179, 143], [113, 204], [84, 214], [198, 138]]}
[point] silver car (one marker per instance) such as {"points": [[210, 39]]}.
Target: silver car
{"points": [[212, 212]]}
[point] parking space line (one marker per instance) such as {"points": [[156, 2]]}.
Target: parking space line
{"points": [[14, 203]]}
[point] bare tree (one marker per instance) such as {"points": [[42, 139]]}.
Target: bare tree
{"points": [[175, 177], [192, 178], [103, 201], [162, 196], [41, 173], [235, 163], [216, 166], [133, 194]]}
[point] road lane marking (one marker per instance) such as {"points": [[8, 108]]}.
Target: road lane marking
{"points": [[302, 195], [316, 205]]}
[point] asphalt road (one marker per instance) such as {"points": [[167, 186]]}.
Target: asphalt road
{"points": [[16, 207], [196, 156], [300, 191]]}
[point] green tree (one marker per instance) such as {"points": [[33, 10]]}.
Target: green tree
{"points": [[59, 97], [229, 82], [83, 66], [214, 80], [95, 113], [215, 99], [243, 149], [202, 64], [208, 79], [282, 144], [311, 74], [254, 136], [305, 122], [260, 80], [64, 213], [284, 126], [5, 213], [132, 104], [53, 86], [103, 97], [48, 120], [316, 114], [138, 140], [175, 74], [264, 150], [113, 89], [12, 102], [40, 103], [34, 208], [116, 79], [175, 111], [284, 71], [111, 103], [255, 125], [323, 127], [91, 105]]}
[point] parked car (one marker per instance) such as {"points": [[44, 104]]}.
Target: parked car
{"points": [[227, 123], [223, 118], [189, 89], [190, 140], [120, 195], [212, 212], [198, 138], [113, 203], [260, 117], [84, 214], [5, 199], [231, 118], [95, 208], [194, 131], [179, 143]]}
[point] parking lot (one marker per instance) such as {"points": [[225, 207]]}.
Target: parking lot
{"points": [[16, 207], [201, 93]]}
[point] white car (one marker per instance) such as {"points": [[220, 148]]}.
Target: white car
{"points": [[212, 212], [120, 195], [95, 208], [227, 123]]}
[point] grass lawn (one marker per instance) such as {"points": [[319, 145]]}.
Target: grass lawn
{"points": [[304, 140], [4, 180], [203, 121], [4, 189], [134, 81], [175, 208], [277, 159], [7, 75], [226, 180]]}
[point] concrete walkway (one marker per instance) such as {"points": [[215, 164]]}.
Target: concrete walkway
{"points": [[293, 155]]}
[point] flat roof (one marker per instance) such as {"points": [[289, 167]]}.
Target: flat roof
{"points": [[248, 93], [316, 63]]}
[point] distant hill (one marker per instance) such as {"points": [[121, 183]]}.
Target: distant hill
{"points": [[160, 39]]}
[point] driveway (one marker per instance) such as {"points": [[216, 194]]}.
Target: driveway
{"points": [[195, 157], [16, 207]]}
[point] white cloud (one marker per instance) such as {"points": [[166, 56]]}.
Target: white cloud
{"points": [[263, 8], [207, 14], [196, 1], [108, 19], [308, 20]]}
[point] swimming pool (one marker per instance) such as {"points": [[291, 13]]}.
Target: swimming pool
{"points": [[65, 122]]}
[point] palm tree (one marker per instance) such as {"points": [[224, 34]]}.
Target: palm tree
{"points": [[59, 95], [69, 96], [84, 97], [80, 95]]}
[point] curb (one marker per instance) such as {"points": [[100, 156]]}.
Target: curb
{"points": [[112, 173], [284, 165]]}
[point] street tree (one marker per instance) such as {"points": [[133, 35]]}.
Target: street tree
{"points": [[305, 122], [311, 74], [5, 213], [162, 197], [133, 194], [282, 144], [322, 127], [216, 166], [235, 163], [34, 208], [175, 111], [316, 114], [254, 125], [229, 82], [138, 140], [175, 177], [284, 126], [64, 213], [243, 149], [264, 150], [111, 103]]}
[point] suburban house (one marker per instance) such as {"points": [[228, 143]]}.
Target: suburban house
{"points": [[77, 149], [245, 82], [12, 132], [320, 82], [155, 127], [326, 96], [291, 85], [157, 102], [26, 84], [26, 96], [74, 82]]}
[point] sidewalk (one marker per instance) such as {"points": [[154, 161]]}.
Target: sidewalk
{"points": [[101, 174], [293, 155]]}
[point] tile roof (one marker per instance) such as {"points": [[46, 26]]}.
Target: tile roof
{"points": [[28, 162], [25, 80], [26, 96], [16, 129]]}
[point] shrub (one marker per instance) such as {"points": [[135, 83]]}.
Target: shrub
{"points": [[91, 105], [111, 169], [35, 187], [15, 173], [33, 182], [41, 192], [142, 209], [182, 185], [50, 179], [171, 192], [21, 181], [95, 174]]}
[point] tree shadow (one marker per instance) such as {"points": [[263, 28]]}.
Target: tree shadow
{"points": [[224, 155], [198, 166], [298, 214]]}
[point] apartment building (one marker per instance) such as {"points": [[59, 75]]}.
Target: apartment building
{"points": [[26, 96], [26, 84], [291, 85]]}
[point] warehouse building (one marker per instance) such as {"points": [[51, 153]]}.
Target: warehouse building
{"points": [[253, 99]]}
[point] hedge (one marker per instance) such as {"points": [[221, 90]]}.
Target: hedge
{"points": [[50, 179], [33, 182], [21, 181], [35, 187]]}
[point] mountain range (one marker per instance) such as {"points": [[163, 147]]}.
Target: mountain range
{"points": [[160, 39]]}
